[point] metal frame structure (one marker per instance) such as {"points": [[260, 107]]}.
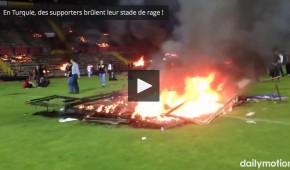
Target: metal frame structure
{"points": [[70, 106]]}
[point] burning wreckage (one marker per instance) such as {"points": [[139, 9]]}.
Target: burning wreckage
{"points": [[201, 99], [199, 103]]}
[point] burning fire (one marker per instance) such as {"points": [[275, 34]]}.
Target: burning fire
{"points": [[45, 71], [70, 30], [198, 99], [140, 62], [106, 108], [82, 39], [37, 35], [103, 45], [199, 103], [171, 55], [63, 67], [16, 58]]}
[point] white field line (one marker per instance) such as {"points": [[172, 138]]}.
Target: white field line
{"points": [[257, 120]]}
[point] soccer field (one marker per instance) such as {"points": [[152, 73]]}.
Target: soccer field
{"points": [[36, 142]]}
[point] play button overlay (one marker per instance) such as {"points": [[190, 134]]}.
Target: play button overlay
{"points": [[143, 85]]}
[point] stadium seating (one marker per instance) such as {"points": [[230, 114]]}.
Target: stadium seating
{"points": [[21, 36], [54, 62]]}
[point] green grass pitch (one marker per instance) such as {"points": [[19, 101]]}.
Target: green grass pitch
{"points": [[35, 142]]}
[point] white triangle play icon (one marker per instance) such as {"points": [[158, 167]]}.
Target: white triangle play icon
{"points": [[142, 85]]}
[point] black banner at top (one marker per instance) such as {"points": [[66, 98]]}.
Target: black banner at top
{"points": [[160, 12]]}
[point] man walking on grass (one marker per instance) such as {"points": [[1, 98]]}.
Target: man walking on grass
{"points": [[75, 75]]}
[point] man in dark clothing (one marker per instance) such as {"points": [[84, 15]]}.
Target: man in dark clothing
{"points": [[38, 74], [44, 82], [70, 79], [287, 63], [102, 73], [274, 69]]}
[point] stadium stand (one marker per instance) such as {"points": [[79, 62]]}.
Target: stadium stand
{"points": [[20, 38], [54, 62]]}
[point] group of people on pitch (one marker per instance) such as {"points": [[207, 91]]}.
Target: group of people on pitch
{"points": [[39, 74], [73, 73]]}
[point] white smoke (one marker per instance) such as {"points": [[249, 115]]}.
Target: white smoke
{"points": [[117, 30], [206, 25], [149, 31], [203, 24]]}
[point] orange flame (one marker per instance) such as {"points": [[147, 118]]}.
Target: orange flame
{"points": [[171, 55], [140, 62], [103, 45], [16, 58], [107, 108], [70, 30], [36, 35], [63, 67], [83, 39], [197, 99]]}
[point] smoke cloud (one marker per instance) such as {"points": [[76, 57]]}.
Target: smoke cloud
{"points": [[244, 30], [208, 26], [154, 32]]}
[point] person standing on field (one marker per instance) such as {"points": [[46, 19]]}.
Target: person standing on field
{"points": [[89, 70], [102, 73], [75, 75]]}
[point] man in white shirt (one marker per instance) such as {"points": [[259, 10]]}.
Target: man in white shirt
{"points": [[75, 75], [89, 70], [110, 69], [280, 62]]}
